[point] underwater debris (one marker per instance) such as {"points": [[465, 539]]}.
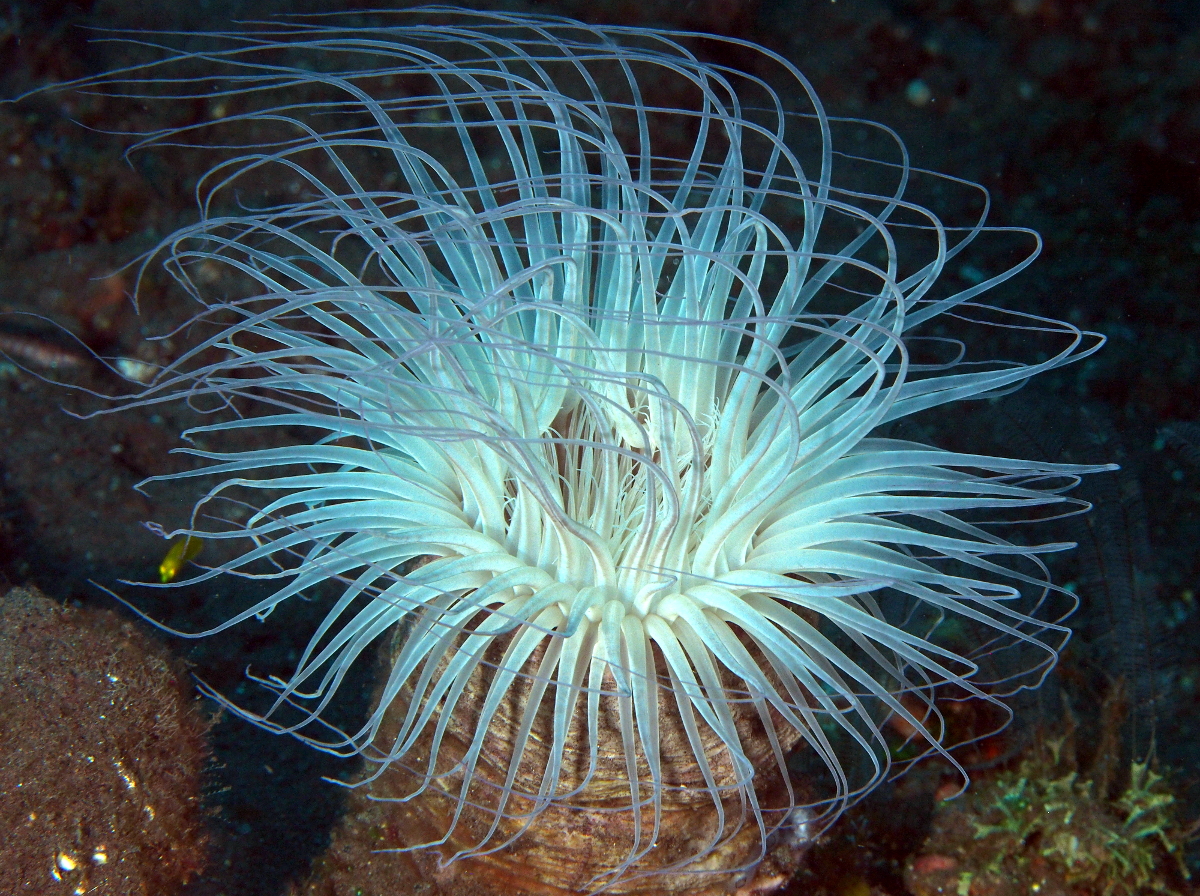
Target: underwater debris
{"points": [[39, 351]]}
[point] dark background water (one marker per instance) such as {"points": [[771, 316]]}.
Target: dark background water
{"points": [[1081, 118]]}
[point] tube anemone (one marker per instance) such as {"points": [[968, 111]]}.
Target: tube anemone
{"points": [[597, 384]]}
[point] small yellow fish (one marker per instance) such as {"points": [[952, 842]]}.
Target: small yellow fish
{"points": [[183, 550]]}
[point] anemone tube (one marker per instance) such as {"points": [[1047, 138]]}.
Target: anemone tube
{"points": [[598, 386]]}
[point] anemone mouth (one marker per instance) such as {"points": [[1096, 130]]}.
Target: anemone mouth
{"points": [[617, 369]]}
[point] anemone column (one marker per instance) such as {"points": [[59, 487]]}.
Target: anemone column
{"points": [[505, 837]]}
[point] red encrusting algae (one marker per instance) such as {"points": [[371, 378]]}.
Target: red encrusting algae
{"points": [[103, 752]]}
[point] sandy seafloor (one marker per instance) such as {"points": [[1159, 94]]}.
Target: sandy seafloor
{"points": [[1081, 118]]}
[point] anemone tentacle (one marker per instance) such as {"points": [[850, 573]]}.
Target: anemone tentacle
{"points": [[598, 418]]}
